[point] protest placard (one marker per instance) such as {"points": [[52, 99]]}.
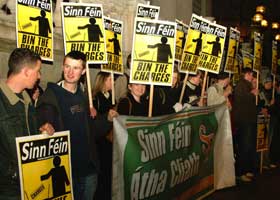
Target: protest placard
{"points": [[34, 27], [153, 52], [196, 34], [45, 166], [83, 30], [181, 35], [113, 32], [233, 44], [212, 48]]}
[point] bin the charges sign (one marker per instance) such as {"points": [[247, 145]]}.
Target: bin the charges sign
{"points": [[274, 58], [153, 52], [83, 30], [262, 133], [233, 44], [196, 33], [34, 27], [257, 52], [45, 166], [247, 59], [147, 11], [113, 31], [181, 34], [212, 48]]}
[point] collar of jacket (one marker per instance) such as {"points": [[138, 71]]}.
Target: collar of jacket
{"points": [[191, 85], [11, 96]]}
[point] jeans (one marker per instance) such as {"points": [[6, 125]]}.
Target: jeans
{"points": [[246, 148], [84, 187]]}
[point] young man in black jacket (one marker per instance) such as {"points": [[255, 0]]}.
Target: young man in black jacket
{"points": [[17, 116], [65, 106]]}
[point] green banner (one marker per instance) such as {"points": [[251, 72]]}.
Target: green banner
{"points": [[165, 157]]}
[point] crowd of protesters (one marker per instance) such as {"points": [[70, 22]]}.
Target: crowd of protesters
{"points": [[64, 106]]}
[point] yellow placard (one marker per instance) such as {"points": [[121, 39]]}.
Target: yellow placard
{"points": [[34, 27], [113, 31], [193, 45], [83, 30], [181, 35], [262, 133], [274, 58], [153, 52], [257, 52], [212, 48], [247, 59], [45, 166], [233, 44]]}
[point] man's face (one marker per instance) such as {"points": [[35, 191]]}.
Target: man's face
{"points": [[268, 85], [72, 70], [249, 76], [137, 89], [196, 79], [33, 74]]}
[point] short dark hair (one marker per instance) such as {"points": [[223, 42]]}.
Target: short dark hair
{"points": [[222, 76], [77, 55], [128, 61], [21, 57], [247, 70]]}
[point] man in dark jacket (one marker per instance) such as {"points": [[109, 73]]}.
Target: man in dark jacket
{"points": [[245, 118], [17, 116], [65, 106]]}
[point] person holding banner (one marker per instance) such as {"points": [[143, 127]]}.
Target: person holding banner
{"points": [[193, 91], [17, 116], [274, 150], [219, 92], [266, 106], [66, 107], [166, 99], [102, 101], [245, 120], [102, 96], [134, 103]]}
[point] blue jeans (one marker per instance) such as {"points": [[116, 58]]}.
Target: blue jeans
{"points": [[84, 187]]}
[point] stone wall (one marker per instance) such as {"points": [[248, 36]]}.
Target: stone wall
{"points": [[123, 10]]}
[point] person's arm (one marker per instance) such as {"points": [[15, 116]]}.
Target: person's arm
{"points": [[83, 27], [152, 46], [34, 18], [213, 98], [123, 106], [100, 125], [49, 28], [46, 176], [47, 112]]}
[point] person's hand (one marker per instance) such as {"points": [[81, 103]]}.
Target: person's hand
{"points": [[47, 128], [187, 105], [229, 104], [272, 101], [264, 111], [201, 102], [92, 112], [255, 91], [36, 94], [111, 114], [177, 107], [227, 91]]}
